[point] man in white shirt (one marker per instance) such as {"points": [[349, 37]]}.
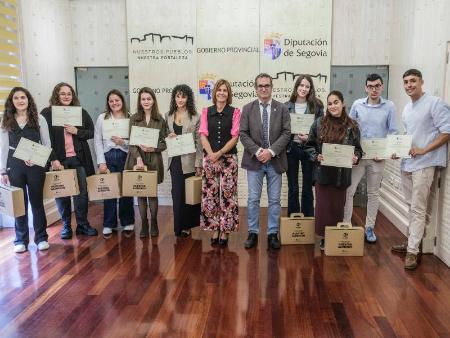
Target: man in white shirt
{"points": [[427, 119]]}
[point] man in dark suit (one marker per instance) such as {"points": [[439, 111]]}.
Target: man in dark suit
{"points": [[265, 131]]}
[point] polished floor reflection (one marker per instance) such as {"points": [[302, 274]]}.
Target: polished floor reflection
{"points": [[169, 287]]}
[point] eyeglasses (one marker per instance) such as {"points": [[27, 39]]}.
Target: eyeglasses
{"points": [[376, 87], [266, 86]]}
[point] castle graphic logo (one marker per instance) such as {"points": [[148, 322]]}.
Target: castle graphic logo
{"points": [[206, 85], [272, 46]]}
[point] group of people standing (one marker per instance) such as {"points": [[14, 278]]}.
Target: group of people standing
{"points": [[216, 132], [270, 149]]}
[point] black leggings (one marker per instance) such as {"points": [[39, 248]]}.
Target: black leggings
{"points": [[31, 180]]}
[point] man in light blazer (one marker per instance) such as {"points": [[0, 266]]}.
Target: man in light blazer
{"points": [[265, 131]]}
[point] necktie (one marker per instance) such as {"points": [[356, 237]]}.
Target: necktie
{"points": [[265, 126]]}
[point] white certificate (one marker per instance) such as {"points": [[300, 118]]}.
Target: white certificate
{"points": [[374, 148], [62, 115], [117, 127], [180, 145], [301, 123], [337, 155], [146, 136], [400, 145], [31, 151]]}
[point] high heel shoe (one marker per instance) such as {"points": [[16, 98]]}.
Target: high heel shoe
{"points": [[223, 241], [215, 237]]}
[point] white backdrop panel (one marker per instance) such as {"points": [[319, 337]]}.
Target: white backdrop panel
{"points": [[199, 42]]}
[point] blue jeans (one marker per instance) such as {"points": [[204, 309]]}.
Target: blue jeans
{"points": [[255, 183], [115, 161], [80, 201], [296, 154]]}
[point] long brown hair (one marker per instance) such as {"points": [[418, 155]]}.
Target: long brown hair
{"points": [[54, 99], [108, 111], [334, 129], [10, 110], [314, 104], [140, 113]]}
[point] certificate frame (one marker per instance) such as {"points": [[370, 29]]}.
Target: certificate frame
{"points": [[400, 145], [116, 127], [337, 155], [71, 115], [148, 137], [180, 145], [36, 153], [374, 148], [301, 123]]}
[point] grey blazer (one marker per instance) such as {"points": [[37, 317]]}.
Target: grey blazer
{"points": [[251, 135], [188, 161]]}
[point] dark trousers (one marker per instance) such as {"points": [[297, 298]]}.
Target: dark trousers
{"points": [[80, 201], [31, 180], [295, 156], [184, 216], [330, 202], [115, 161]]}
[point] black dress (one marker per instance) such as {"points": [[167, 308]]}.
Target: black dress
{"points": [[185, 216]]}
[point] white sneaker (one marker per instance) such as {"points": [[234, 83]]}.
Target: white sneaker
{"points": [[19, 248], [43, 246], [129, 227], [107, 231]]}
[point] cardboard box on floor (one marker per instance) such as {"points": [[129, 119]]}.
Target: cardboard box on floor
{"points": [[297, 229], [104, 186], [62, 183], [11, 201], [139, 183], [344, 240], [193, 189]]}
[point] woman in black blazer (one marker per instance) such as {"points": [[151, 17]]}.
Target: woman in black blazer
{"points": [[72, 151]]}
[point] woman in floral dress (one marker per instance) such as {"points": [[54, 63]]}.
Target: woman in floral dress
{"points": [[219, 134]]}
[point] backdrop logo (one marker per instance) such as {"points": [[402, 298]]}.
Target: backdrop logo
{"points": [[206, 85], [272, 46], [162, 37]]}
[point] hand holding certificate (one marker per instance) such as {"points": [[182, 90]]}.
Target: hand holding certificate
{"points": [[66, 115], [337, 155], [117, 127], [180, 145], [146, 136], [301, 123], [33, 152], [400, 145], [374, 148]]}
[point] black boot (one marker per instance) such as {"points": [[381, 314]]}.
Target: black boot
{"points": [[154, 231], [66, 232], [144, 229], [251, 241], [86, 230]]}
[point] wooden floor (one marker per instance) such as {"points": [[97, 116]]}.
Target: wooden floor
{"points": [[128, 287]]}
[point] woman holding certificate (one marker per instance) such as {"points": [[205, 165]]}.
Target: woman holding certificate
{"points": [[333, 177], [70, 129], [219, 134], [111, 146], [182, 118], [21, 120], [304, 108], [148, 116]]}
